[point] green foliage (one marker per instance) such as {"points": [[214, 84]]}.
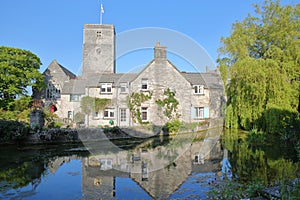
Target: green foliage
{"points": [[114, 130], [224, 69], [173, 126], [18, 70], [283, 121], [57, 124], [24, 116], [93, 104], [79, 117], [50, 118], [18, 110], [13, 130], [231, 118], [297, 148], [262, 55], [257, 161], [232, 189], [8, 115], [169, 104], [134, 102], [15, 115], [251, 159], [256, 137], [22, 103], [18, 177]]}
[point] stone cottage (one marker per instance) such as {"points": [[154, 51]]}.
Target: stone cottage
{"points": [[157, 94]]}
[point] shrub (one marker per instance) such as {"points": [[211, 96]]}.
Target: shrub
{"points": [[13, 130], [57, 124], [173, 126], [79, 117]]}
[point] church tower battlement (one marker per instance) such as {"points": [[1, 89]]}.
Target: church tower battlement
{"points": [[98, 49]]}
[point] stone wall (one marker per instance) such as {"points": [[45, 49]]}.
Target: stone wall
{"points": [[98, 49]]}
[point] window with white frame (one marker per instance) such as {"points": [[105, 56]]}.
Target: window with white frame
{"points": [[199, 112], [123, 87], [109, 113], [199, 89], [144, 113], [74, 97], [106, 88], [106, 164], [145, 84]]}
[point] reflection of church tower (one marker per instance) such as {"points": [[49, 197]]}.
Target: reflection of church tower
{"points": [[96, 183], [98, 49]]}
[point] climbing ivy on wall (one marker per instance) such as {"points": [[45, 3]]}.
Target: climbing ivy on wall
{"points": [[93, 104], [169, 105], [135, 101]]}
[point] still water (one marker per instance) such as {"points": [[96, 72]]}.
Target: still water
{"points": [[178, 167]]}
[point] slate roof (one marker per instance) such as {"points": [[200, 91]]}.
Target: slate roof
{"points": [[70, 74], [77, 86], [74, 86], [95, 79], [213, 80], [67, 72], [194, 78]]}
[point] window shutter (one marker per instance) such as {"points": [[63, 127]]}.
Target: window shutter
{"points": [[193, 113], [206, 112]]}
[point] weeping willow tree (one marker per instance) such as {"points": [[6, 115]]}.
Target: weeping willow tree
{"points": [[261, 58]]}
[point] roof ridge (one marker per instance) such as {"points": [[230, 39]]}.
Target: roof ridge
{"points": [[66, 70]]}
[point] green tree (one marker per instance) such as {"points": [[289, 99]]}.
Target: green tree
{"points": [[18, 70], [22, 103], [262, 56]]}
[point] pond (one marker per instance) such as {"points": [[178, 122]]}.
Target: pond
{"points": [[184, 166]]}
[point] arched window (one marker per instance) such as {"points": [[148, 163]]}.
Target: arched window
{"points": [[53, 90]]}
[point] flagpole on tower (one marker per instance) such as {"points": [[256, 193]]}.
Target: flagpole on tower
{"points": [[101, 12]]}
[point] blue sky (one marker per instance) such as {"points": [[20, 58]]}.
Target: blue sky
{"points": [[54, 29]]}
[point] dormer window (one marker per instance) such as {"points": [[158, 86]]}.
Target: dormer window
{"points": [[144, 84], [198, 89], [106, 88]]}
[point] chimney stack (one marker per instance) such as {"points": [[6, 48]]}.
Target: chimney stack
{"points": [[160, 52]]}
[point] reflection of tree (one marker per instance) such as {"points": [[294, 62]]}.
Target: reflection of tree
{"points": [[251, 164], [229, 139], [21, 176], [17, 177], [175, 146], [23, 167]]}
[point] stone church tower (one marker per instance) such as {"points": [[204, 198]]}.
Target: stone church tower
{"points": [[98, 49]]}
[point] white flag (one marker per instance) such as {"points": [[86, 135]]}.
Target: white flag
{"points": [[102, 9]]}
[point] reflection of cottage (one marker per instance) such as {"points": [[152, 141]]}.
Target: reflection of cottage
{"points": [[158, 176], [199, 94]]}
